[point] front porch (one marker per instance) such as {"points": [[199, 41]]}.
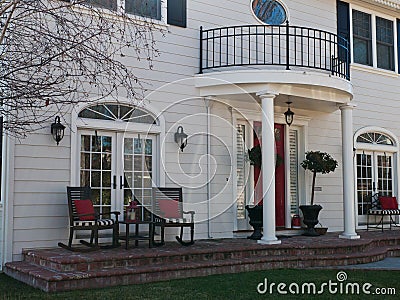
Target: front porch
{"points": [[60, 270]]}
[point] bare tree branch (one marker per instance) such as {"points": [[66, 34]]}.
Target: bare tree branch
{"points": [[56, 54]]}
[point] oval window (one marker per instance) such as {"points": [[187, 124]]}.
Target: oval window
{"points": [[270, 12]]}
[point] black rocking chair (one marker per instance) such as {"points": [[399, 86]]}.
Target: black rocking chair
{"points": [[82, 216], [168, 212]]}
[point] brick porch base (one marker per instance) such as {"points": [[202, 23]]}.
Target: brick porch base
{"points": [[60, 270]]}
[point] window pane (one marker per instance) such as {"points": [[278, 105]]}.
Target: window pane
{"points": [[106, 162], [85, 143], [385, 57], [106, 179], [128, 146], [362, 38], [384, 30], [144, 8], [106, 144], [96, 161], [128, 163], [385, 43], [110, 4], [148, 147], [85, 178], [361, 24], [361, 51], [85, 161], [138, 146]]}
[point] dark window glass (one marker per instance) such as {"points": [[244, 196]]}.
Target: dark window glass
{"points": [[176, 12], [114, 112], [362, 38], [269, 11], [385, 44], [110, 4], [144, 8]]}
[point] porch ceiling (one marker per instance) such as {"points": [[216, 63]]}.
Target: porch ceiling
{"points": [[315, 91]]}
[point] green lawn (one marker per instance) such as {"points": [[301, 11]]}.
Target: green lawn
{"points": [[231, 286]]}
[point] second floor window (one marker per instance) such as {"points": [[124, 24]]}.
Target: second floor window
{"points": [[144, 8], [384, 44], [373, 40], [362, 38]]}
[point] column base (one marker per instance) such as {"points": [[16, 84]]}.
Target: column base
{"points": [[352, 236], [274, 241]]}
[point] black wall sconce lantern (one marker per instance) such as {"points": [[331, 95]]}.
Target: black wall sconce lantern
{"points": [[289, 114], [181, 138], [57, 130]]}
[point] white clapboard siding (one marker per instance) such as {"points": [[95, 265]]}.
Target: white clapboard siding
{"points": [[42, 169]]}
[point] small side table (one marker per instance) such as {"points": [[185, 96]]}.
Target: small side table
{"points": [[136, 237]]}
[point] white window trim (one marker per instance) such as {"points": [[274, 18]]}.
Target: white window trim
{"points": [[374, 14], [94, 124], [140, 20], [382, 148]]}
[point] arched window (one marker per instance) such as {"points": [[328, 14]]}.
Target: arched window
{"points": [[375, 138], [376, 166], [118, 112]]}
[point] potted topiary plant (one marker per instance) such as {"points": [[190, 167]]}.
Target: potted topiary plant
{"points": [[316, 162]]}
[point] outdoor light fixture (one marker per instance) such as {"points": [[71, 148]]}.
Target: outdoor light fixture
{"points": [[289, 114], [181, 138], [57, 130]]}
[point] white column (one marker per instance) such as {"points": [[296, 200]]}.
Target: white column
{"points": [[268, 168], [348, 173]]}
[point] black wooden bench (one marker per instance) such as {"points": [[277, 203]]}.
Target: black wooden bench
{"points": [[381, 207]]}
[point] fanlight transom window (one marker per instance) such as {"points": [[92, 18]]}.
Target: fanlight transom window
{"points": [[375, 138], [118, 112]]}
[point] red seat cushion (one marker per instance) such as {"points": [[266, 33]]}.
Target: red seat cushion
{"points": [[85, 207], [169, 209], [388, 202]]}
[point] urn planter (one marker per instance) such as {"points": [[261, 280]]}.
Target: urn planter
{"points": [[256, 220], [310, 218]]}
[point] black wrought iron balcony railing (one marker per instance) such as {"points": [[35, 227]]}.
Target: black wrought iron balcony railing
{"points": [[277, 45]]}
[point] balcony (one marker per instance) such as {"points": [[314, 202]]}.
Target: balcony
{"points": [[279, 45], [303, 62]]}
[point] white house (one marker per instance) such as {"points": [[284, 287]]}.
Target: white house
{"points": [[227, 70]]}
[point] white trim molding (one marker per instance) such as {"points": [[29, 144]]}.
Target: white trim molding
{"points": [[366, 146], [391, 3], [79, 123], [380, 148]]}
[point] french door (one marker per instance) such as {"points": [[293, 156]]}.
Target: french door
{"points": [[118, 167], [374, 175]]}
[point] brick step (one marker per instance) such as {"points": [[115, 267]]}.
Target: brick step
{"points": [[50, 280], [61, 260]]}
